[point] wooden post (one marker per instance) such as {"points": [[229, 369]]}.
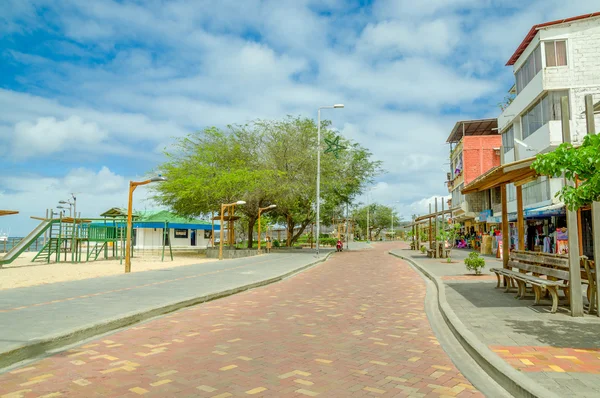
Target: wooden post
{"points": [[520, 218], [591, 129], [435, 241], [575, 296], [505, 229], [430, 228], [418, 247], [443, 226]]}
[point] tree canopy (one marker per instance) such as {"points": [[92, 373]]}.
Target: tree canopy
{"points": [[577, 163], [380, 218], [263, 162]]}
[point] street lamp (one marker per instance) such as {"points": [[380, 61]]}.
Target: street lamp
{"points": [[132, 186], [63, 207], [223, 207], [260, 210], [336, 106]]}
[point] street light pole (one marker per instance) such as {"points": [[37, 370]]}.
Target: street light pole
{"points": [[319, 169], [260, 210], [223, 207], [132, 186]]}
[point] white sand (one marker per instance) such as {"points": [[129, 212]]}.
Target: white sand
{"points": [[22, 272]]}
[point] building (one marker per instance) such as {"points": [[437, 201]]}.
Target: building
{"points": [[152, 230], [474, 149], [555, 59]]}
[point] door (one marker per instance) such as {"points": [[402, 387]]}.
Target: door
{"points": [[193, 238]]}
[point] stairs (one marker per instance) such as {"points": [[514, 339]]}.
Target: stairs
{"points": [[96, 250], [59, 233]]}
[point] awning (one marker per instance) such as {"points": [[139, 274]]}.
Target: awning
{"points": [[518, 172], [546, 211], [473, 127]]}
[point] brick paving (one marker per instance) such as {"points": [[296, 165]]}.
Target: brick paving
{"points": [[555, 350], [353, 326]]}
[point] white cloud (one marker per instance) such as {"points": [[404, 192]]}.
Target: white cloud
{"points": [[48, 135]]}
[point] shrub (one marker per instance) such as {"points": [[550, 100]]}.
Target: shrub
{"points": [[423, 249], [474, 262], [276, 243]]}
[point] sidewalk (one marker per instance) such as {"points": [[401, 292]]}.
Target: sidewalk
{"points": [[555, 351], [41, 318]]}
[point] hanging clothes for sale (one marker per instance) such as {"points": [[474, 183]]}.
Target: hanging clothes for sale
{"points": [[547, 245]]}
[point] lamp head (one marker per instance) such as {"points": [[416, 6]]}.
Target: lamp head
{"points": [[158, 178], [272, 206], [63, 202], [240, 202], [338, 106]]}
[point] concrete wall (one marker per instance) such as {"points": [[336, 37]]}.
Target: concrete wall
{"points": [[230, 253]]}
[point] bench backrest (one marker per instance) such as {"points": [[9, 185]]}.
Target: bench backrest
{"points": [[544, 259], [536, 269]]}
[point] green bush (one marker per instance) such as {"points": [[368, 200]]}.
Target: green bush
{"points": [[423, 249], [328, 241], [474, 262], [276, 243]]}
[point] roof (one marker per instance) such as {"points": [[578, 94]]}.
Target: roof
{"points": [[514, 172], [8, 212], [162, 216], [534, 29], [473, 127], [115, 212]]}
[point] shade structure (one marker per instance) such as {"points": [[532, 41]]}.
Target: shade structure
{"points": [[433, 215], [8, 212], [514, 172]]}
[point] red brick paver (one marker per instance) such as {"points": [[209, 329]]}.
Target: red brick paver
{"points": [[353, 326], [550, 359]]}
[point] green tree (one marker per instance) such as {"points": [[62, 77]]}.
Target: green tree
{"points": [[380, 218], [582, 163]]}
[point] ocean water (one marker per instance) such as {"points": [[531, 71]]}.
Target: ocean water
{"points": [[6, 246]]}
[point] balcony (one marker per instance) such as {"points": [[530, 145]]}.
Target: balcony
{"points": [[522, 101]]}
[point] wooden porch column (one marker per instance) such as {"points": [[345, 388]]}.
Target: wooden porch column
{"points": [[418, 238], [575, 296], [505, 229], [520, 218], [591, 129]]}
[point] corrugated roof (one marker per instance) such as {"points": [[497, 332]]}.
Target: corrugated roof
{"points": [[473, 127], [533, 31]]}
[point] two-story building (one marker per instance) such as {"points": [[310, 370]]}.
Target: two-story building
{"points": [[474, 149], [555, 59]]}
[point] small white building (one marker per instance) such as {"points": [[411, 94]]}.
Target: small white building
{"points": [[555, 59], [152, 230]]}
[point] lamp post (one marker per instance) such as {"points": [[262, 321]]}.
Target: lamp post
{"points": [[336, 106], [132, 186], [74, 216], [260, 210], [223, 207], [393, 235], [65, 208]]}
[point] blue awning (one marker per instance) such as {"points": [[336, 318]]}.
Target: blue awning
{"points": [[546, 211]]}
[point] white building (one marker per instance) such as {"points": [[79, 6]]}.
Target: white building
{"points": [[556, 59]]}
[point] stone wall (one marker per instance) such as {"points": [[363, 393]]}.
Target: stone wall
{"points": [[230, 253]]}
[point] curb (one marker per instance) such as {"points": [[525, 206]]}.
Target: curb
{"points": [[506, 376], [39, 348]]}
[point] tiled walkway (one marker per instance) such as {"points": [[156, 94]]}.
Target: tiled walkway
{"points": [[353, 326]]}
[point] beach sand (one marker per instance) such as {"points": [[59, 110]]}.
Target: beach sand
{"points": [[22, 272]]}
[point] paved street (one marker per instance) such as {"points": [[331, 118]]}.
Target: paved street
{"points": [[353, 326]]}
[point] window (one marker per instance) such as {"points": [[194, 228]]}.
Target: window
{"points": [[556, 53], [544, 110], [529, 69], [508, 139]]}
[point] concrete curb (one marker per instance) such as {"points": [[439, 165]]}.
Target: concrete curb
{"points": [[39, 348], [506, 376]]}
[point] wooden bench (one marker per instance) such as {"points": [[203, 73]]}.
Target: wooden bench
{"points": [[529, 269]]}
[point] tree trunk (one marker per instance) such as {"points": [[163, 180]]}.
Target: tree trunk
{"points": [[290, 231], [303, 226], [251, 222]]}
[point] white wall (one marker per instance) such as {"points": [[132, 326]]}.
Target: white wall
{"points": [[151, 238]]}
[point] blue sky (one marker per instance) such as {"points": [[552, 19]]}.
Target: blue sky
{"points": [[92, 91]]}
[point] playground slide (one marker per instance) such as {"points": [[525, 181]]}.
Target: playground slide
{"points": [[24, 243]]}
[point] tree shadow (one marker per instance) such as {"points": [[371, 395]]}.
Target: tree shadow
{"points": [[559, 333]]}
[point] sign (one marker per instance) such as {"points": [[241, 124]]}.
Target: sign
{"points": [[181, 233], [484, 215], [207, 234]]}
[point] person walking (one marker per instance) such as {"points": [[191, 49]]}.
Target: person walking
{"points": [[268, 244]]}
